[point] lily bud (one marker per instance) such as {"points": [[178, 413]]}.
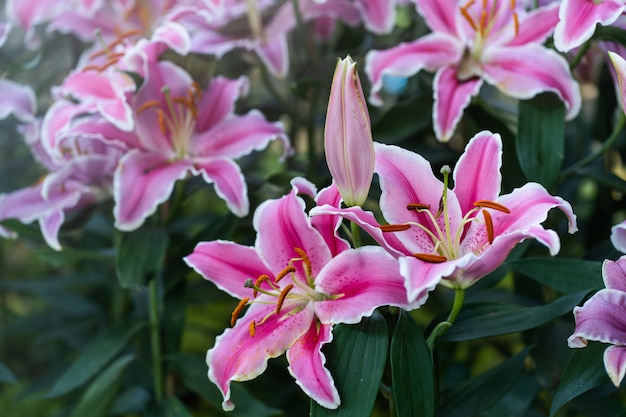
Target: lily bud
{"points": [[348, 135], [619, 64]]}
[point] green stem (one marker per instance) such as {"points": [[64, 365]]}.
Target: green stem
{"points": [[579, 56], [155, 340], [617, 129], [441, 328], [355, 230]]}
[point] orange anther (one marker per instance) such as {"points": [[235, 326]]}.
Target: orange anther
{"points": [[468, 17], [427, 257], [492, 205], [394, 227], [516, 23], [282, 296], [161, 120], [257, 284], [147, 105], [237, 310], [282, 274], [488, 225], [252, 328], [306, 261], [417, 206]]}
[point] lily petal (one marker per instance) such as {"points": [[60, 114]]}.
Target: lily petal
{"points": [[451, 98], [228, 265], [601, 318], [142, 181], [537, 25], [363, 279], [477, 173], [430, 52], [229, 182], [524, 71], [614, 274], [306, 365], [18, 100], [238, 356], [615, 363], [619, 64], [218, 101], [578, 19], [439, 15], [282, 225], [378, 16], [420, 277]]}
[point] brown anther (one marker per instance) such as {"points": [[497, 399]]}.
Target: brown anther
{"points": [[492, 205], [161, 120], [91, 68], [394, 227], [467, 16], [197, 91], [281, 297], [516, 23], [147, 105], [258, 282], [306, 261], [488, 225], [483, 21], [98, 53], [282, 274], [237, 310], [417, 206], [252, 328], [428, 257]]}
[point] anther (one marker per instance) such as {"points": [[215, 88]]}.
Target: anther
{"points": [[427, 257], [147, 105], [282, 274], [237, 310], [281, 297], [488, 225], [492, 205], [161, 120], [306, 261], [252, 328], [394, 227], [516, 23], [417, 206], [257, 284]]}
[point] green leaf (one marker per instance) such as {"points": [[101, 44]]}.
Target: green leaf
{"points": [[469, 397], [356, 360], [492, 319], [563, 275], [540, 138], [94, 357], [140, 254], [603, 177], [100, 394], [6, 376], [193, 371], [584, 371], [412, 373], [611, 33]]}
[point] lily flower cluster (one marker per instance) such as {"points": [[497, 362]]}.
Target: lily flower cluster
{"points": [[382, 231]]}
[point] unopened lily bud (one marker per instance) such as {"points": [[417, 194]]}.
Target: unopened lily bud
{"points": [[348, 135]]}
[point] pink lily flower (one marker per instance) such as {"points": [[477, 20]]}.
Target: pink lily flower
{"points": [[482, 41], [298, 280], [348, 135], [454, 235], [578, 20], [601, 318], [183, 130]]}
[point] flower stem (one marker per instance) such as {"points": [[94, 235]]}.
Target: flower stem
{"points": [[441, 328], [579, 56], [617, 129], [356, 235], [155, 342]]}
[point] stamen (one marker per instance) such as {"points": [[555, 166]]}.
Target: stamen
{"points": [[161, 120], [516, 23], [147, 105], [252, 328], [237, 310], [306, 261], [257, 284], [427, 257], [281, 297], [483, 21], [488, 225], [492, 205], [394, 227], [467, 16], [417, 206], [284, 273]]}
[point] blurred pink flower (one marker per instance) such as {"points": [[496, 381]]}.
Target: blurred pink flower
{"points": [[489, 41], [603, 318]]}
